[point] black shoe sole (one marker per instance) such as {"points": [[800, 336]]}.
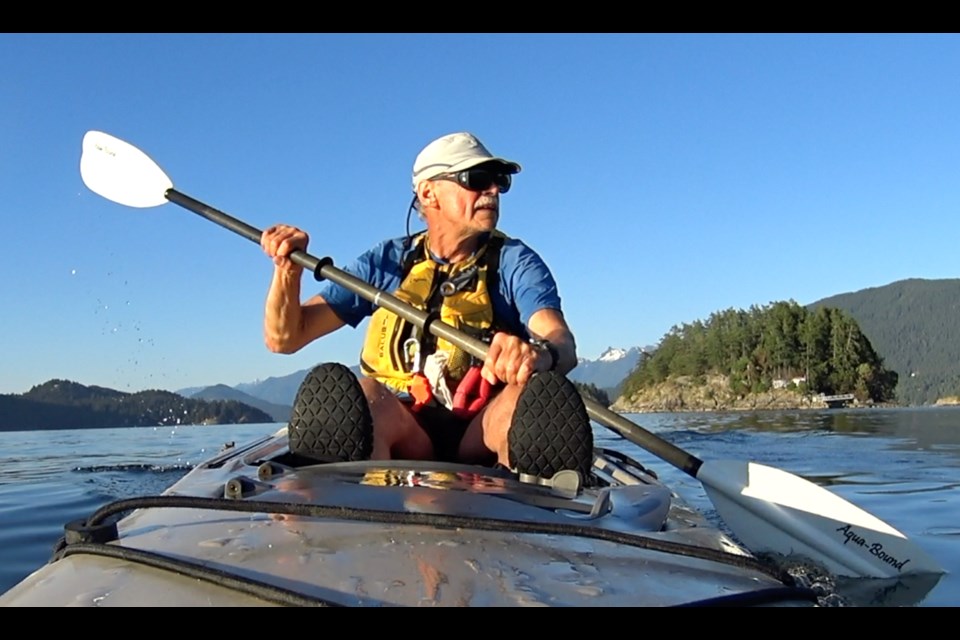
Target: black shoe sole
{"points": [[550, 430], [331, 418]]}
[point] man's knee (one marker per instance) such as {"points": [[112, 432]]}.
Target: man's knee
{"points": [[385, 407], [396, 432]]}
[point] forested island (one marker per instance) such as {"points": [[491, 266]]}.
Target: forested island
{"points": [[780, 355], [63, 404]]}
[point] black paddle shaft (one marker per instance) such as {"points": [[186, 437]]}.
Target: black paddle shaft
{"points": [[639, 436], [322, 268]]}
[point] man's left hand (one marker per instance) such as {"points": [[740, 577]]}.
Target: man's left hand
{"points": [[513, 360]]}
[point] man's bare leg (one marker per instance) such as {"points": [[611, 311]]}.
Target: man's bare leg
{"points": [[485, 440], [396, 434]]}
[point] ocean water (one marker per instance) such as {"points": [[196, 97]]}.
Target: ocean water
{"points": [[901, 465]]}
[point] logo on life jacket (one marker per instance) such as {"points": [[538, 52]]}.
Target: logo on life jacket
{"points": [[395, 350]]}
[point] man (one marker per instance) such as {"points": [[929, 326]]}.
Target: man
{"points": [[420, 397]]}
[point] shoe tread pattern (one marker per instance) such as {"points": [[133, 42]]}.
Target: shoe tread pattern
{"points": [[550, 430], [331, 418]]}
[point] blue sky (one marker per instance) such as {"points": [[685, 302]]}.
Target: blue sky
{"points": [[665, 177]]}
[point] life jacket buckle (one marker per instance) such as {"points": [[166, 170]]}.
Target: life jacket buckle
{"points": [[458, 282], [411, 350]]}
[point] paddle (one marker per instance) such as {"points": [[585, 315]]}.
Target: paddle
{"points": [[769, 510]]}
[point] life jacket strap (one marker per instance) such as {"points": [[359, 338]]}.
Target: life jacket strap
{"points": [[472, 394]]}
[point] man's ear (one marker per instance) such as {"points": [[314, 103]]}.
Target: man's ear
{"points": [[426, 193]]}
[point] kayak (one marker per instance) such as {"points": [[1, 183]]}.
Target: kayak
{"points": [[257, 525]]}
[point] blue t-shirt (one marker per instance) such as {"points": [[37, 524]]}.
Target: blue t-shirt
{"points": [[526, 284]]}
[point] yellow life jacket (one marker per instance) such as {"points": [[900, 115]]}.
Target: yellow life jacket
{"points": [[460, 295]]}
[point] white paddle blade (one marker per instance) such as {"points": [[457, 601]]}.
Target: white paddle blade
{"points": [[771, 510], [120, 172]]}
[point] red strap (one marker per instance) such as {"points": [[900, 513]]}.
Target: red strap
{"points": [[472, 394]]}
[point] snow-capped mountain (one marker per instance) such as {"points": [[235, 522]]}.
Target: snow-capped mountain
{"points": [[609, 370], [612, 354]]}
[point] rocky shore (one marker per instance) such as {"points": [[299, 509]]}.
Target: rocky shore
{"points": [[685, 394]]}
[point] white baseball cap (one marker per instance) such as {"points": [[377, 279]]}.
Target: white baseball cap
{"points": [[452, 153]]}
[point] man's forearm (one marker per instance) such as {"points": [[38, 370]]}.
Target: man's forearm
{"points": [[283, 315]]}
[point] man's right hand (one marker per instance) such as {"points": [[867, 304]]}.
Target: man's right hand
{"points": [[279, 241], [289, 325]]}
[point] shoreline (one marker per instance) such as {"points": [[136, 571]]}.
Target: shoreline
{"points": [[713, 394]]}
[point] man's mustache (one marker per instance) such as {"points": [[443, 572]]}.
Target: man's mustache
{"points": [[487, 203]]}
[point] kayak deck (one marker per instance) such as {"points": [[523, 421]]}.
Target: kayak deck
{"points": [[256, 526]]}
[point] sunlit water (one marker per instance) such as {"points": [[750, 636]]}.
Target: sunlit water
{"points": [[901, 465]]}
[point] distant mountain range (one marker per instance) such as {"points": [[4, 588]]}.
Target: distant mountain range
{"points": [[64, 404], [914, 325], [276, 395], [277, 411]]}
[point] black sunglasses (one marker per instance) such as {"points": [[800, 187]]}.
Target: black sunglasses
{"points": [[478, 179]]}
